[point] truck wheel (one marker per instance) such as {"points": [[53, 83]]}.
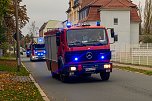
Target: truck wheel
{"points": [[54, 75], [105, 76]]}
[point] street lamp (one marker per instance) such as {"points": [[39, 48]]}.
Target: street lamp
{"points": [[17, 34]]}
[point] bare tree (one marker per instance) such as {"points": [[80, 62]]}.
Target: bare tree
{"points": [[140, 15], [33, 30], [148, 17]]}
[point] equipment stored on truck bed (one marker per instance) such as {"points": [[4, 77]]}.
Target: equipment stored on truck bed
{"points": [[79, 51]]}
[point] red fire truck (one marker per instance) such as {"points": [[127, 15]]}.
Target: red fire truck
{"points": [[37, 52], [79, 51]]}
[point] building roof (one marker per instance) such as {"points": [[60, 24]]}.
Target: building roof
{"points": [[53, 23], [134, 15], [42, 27], [114, 4], [49, 25], [108, 3]]}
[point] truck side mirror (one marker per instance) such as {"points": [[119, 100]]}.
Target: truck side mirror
{"points": [[112, 33], [58, 41], [58, 38], [115, 37], [58, 34]]}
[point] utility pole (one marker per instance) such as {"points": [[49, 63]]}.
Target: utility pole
{"points": [[18, 37]]}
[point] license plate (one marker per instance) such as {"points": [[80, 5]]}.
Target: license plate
{"points": [[90, 69]]}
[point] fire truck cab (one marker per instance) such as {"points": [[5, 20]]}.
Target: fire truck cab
{"points": [[37, 52], [79, 51]]}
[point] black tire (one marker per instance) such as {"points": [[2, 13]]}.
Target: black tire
{"points": [[55, 75], [64, 77], [105, 76]]}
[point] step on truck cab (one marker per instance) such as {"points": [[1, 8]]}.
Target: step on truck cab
{"points": [[79, 51]]}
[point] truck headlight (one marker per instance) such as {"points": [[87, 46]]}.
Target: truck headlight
{"points": [[106, 66], [73, 68]]}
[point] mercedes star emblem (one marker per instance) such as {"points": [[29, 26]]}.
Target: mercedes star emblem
{"points": [[89, 55]]}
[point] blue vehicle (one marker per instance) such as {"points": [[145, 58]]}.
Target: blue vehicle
{"points": [[37, 52], [28, 52]]}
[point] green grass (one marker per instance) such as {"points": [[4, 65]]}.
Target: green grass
{"points": [[8, 58], [11, 90], [22, 71], [147, 72], [16, 91], [9, 65]]}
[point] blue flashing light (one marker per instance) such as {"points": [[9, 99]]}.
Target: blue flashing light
{"points": [[35, 52], [76, 59], [98, 23], [28, 52], [102, 57], [39, 54], [40, 40], [69, 24], [44, 52]]}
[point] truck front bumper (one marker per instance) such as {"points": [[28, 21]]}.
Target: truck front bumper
{"points": [[94, 68], [37, 57]]}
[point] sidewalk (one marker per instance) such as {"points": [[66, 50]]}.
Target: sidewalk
{"points": [[133, 66]]}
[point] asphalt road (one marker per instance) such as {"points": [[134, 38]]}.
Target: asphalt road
{"points": [[122, 86]]}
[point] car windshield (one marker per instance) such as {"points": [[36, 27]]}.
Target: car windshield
{"points": [[86, 37], [39, 46]]}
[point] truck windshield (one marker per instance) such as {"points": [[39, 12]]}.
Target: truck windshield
{"points": [[39, 46], [86, 37]]}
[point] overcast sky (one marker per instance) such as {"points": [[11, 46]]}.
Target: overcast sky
{"points": [[41, 11]]}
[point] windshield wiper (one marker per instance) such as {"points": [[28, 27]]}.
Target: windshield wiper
{"points": [[92, 41], [77, 43], [95, 43]]}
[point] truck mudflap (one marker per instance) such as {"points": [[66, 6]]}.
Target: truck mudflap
{"points": [[79, 69]]}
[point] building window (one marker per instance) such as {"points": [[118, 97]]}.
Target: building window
{"points": [[83, 14], [76, 2], [115, 21]]}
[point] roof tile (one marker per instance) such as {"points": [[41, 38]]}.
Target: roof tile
{"points": [[112, 4]]}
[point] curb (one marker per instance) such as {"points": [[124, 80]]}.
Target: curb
{"points": [[44, 96], [133, 66]]}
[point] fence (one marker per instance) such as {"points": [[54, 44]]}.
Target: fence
{"points": [[140, 54]]}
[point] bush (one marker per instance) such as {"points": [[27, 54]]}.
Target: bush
{"points": [[2, 35], [146, 38], [4, 47]]}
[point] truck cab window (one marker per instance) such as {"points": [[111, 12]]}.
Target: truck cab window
{"points": [[87, 37]]}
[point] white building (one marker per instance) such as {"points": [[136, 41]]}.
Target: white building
{"points": [[51, 24], [122, 15]]}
